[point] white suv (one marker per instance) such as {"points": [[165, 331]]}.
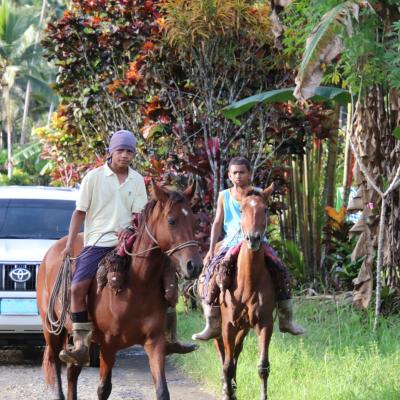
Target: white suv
{"points": [[31, 220]]}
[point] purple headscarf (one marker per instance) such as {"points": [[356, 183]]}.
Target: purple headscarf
{"points": [[122, 140]]}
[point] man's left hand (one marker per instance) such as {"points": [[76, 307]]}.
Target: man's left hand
{"points": [[124, 234]]}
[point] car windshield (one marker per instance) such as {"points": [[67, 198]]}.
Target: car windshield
{"points": [[35, 218]]}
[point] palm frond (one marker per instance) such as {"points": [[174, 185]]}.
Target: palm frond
{"points": [[324, 44], [27, 152]]}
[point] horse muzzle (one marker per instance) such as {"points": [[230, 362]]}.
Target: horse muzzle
{"points": [[253, 240], [193, 268], [189, 268]]}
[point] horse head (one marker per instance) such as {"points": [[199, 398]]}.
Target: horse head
{"points": [[173, 229], [254, 216]]}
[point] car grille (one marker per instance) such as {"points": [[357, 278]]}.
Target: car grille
{"points": [[7, 283]]}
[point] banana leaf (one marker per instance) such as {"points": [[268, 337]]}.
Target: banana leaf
{"points": [[322, 94]]}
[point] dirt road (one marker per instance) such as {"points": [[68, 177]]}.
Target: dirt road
{"points": [[22, 379]]}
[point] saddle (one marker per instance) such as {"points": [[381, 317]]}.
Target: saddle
{"points": [[113, 269], [114, 266]]}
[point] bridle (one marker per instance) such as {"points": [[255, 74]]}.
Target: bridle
{"points": [[189, 243]]}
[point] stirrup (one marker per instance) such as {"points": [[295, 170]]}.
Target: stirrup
{"points": [[77, 357]]}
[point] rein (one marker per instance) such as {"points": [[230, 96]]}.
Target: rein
{"points": [[169, 252]]}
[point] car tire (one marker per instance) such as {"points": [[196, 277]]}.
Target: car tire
{"points": [[94, 353]]}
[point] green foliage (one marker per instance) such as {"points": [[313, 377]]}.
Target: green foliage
{"points": [[364, 56], [28, 166], [297, 19], [294, 259], [390, 298], [20, 61], [344, 270], [20, 177], [392, 56], [322, 94]]}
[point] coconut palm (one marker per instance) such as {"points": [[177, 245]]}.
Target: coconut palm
{"points": [[18, 34]]}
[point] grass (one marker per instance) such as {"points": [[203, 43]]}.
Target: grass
{"points": [[339, 359]]}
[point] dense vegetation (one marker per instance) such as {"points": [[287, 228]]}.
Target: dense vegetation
{"points": [[71, 72], [166, 69]]}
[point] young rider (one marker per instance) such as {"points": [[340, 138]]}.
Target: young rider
{"points": [[227, 217], [108, 196]]}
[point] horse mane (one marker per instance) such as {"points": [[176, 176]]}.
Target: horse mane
{"points": [[253, 192]]}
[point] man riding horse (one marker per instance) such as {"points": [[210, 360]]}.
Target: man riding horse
{"points": [[108, 197], [221, 258]]}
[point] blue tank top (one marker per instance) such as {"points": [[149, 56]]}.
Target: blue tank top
{"points": [[232, 228], [233, 232]]}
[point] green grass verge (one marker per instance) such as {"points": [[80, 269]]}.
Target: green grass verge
{"points": [[339, 359]]}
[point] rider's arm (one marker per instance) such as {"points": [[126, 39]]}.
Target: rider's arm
{"points": [[268, 191], [216, 228], [77, 219]]}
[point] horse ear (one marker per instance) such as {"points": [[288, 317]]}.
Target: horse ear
{"points": [[190, 191], [160, 194]]}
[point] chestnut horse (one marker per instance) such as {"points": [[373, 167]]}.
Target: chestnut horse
{"points": [[136, 315], [250, 300]]}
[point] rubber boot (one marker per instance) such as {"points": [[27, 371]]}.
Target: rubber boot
{"points": [[212, 329], [79, 355], [286, 324], [173, 345]]}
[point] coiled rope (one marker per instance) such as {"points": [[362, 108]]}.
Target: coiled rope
{"points": [[62, 286], [54, 324]]}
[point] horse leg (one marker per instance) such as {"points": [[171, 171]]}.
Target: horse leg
{"points": [[51, 363], [264, 338], [107, 360], [238, 348], [228, 367], [155, 349], [73, 372], [219, 347]]}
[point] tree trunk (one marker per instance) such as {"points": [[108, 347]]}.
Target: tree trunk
{"points": [[26, 110], [9, 148], [29, 84], [347, 163]]}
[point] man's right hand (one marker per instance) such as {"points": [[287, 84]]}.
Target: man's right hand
{"points": [[209, 256], [67, 251]]}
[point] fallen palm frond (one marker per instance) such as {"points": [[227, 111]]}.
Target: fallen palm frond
{"points": [[324, 44]]}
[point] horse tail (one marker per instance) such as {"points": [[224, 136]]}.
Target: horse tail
{"points": [[48, 366]]}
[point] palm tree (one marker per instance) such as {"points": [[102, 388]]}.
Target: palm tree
{"points": [[18, 35]]}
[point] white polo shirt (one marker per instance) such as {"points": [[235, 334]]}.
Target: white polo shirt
{"points": [[108, 204]]}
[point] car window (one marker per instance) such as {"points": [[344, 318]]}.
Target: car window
{"points": [[35, 218]]}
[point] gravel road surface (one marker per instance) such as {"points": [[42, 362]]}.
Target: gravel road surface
{"points": [[21, 378]]}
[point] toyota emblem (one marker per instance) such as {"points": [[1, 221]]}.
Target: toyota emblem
{"points": [[20, 275]]}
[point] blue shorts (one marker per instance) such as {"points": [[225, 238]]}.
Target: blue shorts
{"points": [[88, 262]]}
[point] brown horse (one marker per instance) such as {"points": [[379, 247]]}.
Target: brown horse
{"points": [[137, 314], [250, 300]]}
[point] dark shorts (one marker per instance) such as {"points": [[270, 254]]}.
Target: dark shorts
{"points": [[88, 262]]}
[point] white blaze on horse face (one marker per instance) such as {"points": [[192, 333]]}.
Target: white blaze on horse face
{"points": [[253, 203], [185, 212]]}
